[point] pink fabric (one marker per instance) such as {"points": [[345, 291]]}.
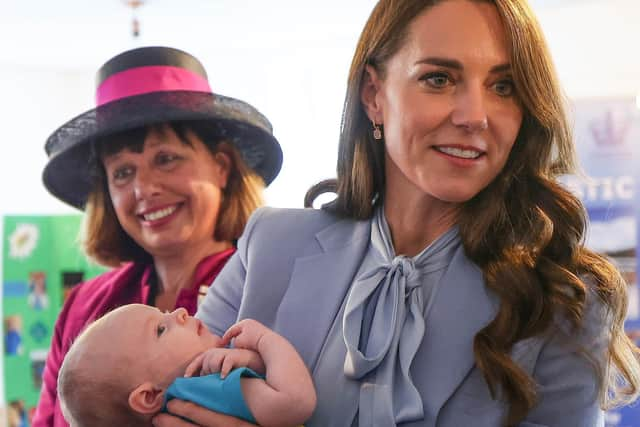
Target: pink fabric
{"points": [[91, 300], [153, 78]]}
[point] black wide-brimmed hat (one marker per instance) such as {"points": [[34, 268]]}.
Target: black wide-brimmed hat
{"points": [[147, 86]]}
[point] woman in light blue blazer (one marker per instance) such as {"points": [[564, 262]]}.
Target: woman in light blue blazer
{"points": [[447, 285]]}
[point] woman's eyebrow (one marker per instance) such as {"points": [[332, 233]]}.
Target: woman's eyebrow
{"points": [[443, 62], [500, 68], [110, 158], [457, 65]]}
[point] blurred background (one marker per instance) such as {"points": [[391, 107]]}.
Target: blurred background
{"points": [[289, 58]]}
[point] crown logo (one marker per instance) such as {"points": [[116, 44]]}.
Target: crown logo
{"points": [[610, 131]]}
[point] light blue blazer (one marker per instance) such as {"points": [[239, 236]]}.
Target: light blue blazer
{"points": [[292, 270]]}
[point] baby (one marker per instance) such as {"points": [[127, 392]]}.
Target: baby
{"points": [[125, 366]]}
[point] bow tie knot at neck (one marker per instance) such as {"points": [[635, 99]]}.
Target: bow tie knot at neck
{"points": [[383, 325], [386, 294], [404, 265], [383, 328]]}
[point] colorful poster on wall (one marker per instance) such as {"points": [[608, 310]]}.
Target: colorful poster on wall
{"points": [[40, 263], [607, 132]]}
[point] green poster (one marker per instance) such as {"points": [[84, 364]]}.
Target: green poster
{"points": [[41, 262]]}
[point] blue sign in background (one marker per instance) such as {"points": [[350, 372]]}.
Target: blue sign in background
{"points": [[607, 133]]}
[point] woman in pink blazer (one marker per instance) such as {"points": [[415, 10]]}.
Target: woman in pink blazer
{"points": [[168, 173]]}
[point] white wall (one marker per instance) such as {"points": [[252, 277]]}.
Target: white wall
{"points": [[595, 45], [36, 101]]}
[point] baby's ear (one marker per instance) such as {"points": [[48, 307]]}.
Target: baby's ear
{"points": [[146, 399]]}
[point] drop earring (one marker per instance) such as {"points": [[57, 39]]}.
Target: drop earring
{"points": [[377, 132]]}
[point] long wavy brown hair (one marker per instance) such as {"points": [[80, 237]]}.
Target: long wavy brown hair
{"points": [[524, 230]]}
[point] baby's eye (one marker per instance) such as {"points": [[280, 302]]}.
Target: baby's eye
{"points": [[160, 330]]}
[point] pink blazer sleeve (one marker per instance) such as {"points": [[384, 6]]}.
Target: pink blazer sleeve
{"points": [[48, 411]]}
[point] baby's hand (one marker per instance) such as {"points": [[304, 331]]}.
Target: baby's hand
{"points": [[246, 333], [223, 360]]}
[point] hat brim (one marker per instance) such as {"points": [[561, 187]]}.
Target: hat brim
{"points": [[68, 177]]}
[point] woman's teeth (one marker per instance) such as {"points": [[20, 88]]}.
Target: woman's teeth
{"points": [[458, 152], [159, 214]]}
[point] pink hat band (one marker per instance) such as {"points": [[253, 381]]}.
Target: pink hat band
{"points": [[147, 79]]}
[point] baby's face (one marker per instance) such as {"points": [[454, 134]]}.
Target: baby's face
{"points": [[164, 342]]}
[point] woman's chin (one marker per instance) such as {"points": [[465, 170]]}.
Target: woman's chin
{"points": [[163, 247]]}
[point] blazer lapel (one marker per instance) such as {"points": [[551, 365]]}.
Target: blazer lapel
{"points": [[318, 285], [461, 308]]}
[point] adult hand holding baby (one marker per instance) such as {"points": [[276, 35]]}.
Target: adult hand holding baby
{"points": [[201, 417]]}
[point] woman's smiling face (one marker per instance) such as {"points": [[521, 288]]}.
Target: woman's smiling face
{"points": [[447, 102], [167, 196]]}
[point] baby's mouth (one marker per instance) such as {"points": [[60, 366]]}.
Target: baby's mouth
{"points": [[199, 326]]}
